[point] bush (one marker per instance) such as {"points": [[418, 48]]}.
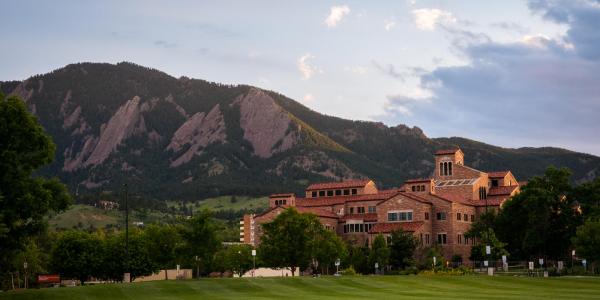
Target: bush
{"points": [[462, 270], [349, 271]]}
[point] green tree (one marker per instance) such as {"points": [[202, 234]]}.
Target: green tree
{"points": [[200, 239], [541, 220], [587, 242], [402, 248], [24, 200], [358, 258], [483, 232], [587, 195], [238, 259], [163, 245], [380, 253], [286, 241], [115, 261], [77, 254], [328, 247]]}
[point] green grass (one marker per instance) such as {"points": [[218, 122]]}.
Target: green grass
{"points": [[82, 216], [360, 287], [242, 202]]}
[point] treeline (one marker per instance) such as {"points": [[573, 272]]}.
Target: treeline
{"points": [[550, 218]]}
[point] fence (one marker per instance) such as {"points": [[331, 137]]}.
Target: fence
{"points": [[535, 268]]}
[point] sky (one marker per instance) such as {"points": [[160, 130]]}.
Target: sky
{"points": [[511, 73]]}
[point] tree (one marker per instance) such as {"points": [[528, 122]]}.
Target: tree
{"points": [[358, 258], [115, 261], [588, 196], [482, 231], [541, 220], [402, 248], [200, 239], [587, 242], [24, 200], [328, 247], [286, 241], [380, 253], [77, 254], [163, 245], [238, 259]]}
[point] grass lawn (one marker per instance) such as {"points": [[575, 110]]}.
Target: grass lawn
{"points": [[241, 202], [359, 287], [82, 216]]}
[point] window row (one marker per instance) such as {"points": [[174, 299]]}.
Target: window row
{"points": [[426, 240], [482, 193], [280, 202], [331, 193], [361, 210], [418, 188], [362, 227], [464, 217], [446, 168], [462, 240], [402, 216]]}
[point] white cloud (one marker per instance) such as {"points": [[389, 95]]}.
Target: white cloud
{"points": [[429, 18], [358, 70], [336, 15], [305, 68], [388, 24], [308, 98]]}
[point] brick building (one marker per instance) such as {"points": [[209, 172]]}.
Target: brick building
{"points": [[437, 210]]}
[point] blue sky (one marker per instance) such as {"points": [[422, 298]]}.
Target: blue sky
{"points": [[509, 73]]}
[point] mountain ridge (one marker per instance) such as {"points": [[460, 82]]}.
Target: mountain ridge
{"points": [[190, 138]]}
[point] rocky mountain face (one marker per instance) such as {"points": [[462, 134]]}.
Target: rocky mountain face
{"points": [[184, 138]]}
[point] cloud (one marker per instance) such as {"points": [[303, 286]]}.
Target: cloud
{"points": [[388, 24], [401, 74], [358, 70], [534, 91], [308, 98], [165, 44], [510, 26], [336, 15], [428, 18], [305, 68]]}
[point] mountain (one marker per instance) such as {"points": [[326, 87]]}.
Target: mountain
{"points": [[182, 138]]}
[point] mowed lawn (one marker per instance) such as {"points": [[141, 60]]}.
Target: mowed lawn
{"points": [[359, 287]]}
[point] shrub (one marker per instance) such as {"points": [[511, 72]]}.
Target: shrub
{"points": [[349, 271]]}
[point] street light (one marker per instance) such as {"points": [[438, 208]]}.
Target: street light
{"points": [[127, 271], [253, 262]]}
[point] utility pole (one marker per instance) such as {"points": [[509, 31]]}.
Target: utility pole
{"points": [[126, 233]]}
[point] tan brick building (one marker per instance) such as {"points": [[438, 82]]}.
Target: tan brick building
{"points": [[437, 210]]}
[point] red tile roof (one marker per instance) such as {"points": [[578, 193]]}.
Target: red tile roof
{"points": [[451, 197], [418, 180], [318, 212], [492, 201], [498, 174], [446, 151], [338, 185], [502, 190], [420, 197], [364, 217], [326, 201], [389, 227], [282, 195]]}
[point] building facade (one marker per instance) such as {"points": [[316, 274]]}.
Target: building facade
{"points": [[436, 210]]}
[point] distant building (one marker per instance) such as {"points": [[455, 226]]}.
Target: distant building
{"points": [[437, 210], [108, 205]]}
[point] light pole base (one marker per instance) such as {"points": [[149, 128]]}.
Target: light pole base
{"points": [[127, 277]]}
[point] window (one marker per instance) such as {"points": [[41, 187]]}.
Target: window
{"points": [[441, 238], [329, 193], [345, 228], [402, 216], [450, 168], [372, 209], [466, 240], [472, 218], [494, 182], [459, 238], [441, 169], [466, 218], [351, 210], [422, 188], [427, 239], [280, 202], [338, 192], [314, 194], [441, 216], [446, 168], [361, 228], [361, 210], [346, 192], [413, 188], [321, 193], [482, 193], [353, 191], [426, 216], [458, 216]]}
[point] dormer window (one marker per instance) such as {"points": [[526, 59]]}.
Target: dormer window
{"points": [[321, 193], [446, 168], [338, 192], [354, 191], [314, 194], [329, 193]]}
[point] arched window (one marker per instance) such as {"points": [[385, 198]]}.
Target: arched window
{"points": [[445, 168], [450, 168], [441, 169]]}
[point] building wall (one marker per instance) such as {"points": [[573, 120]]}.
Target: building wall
{"points": [[461, 227]]}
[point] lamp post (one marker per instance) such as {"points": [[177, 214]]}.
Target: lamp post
{"points": [[197, 267], [127, 271], [253, 262]]}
